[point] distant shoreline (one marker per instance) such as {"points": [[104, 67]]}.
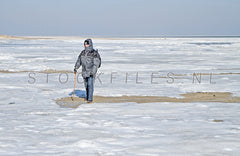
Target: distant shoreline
{"points": [[167, 36], [119, 36]]}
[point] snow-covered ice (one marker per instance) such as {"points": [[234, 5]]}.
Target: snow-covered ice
{"points": [[31, 123]]}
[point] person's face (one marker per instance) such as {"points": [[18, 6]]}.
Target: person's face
{"points": [[86, 45]]}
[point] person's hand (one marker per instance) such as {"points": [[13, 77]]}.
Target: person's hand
{"points": [[75, 70]]}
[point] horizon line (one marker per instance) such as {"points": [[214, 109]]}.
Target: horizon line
{"points": [[123, 36]]}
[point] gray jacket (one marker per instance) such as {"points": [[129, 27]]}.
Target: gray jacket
{"points": [[90, 61]]}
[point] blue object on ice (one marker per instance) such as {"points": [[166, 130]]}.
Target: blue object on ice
{"points": [[79, 93]]}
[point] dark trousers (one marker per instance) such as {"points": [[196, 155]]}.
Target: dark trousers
{"points": [[88, 83]]}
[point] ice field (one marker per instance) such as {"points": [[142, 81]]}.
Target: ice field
{"points": [[35, 72]]}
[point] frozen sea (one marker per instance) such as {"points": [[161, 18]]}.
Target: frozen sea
{"points": [[35, 72]]}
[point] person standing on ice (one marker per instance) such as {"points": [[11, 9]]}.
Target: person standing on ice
{"points": [[90, 61]]}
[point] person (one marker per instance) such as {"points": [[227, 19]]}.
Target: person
{"points": [[90, 61]]}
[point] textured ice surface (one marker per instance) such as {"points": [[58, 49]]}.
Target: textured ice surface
{"points": [[32, 124]]}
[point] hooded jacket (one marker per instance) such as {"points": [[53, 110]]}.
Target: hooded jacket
{"points": [[89, 59]]}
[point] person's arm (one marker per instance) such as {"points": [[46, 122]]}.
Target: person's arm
{"points": [[96, 63], [78, 63]]}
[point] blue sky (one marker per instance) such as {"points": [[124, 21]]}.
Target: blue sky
{"points": [[123, 17]]}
